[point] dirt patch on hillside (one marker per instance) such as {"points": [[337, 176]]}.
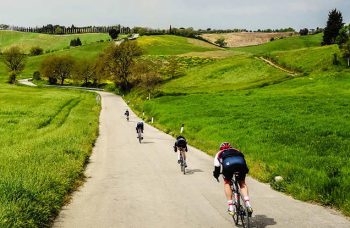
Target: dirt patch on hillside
{"points": [[241, 39]]}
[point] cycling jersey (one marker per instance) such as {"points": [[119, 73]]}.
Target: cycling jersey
{"points": [[181, 143], [231, 160]]}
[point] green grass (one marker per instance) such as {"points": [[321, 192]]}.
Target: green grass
{"points": [[172, 45], [308, 59], [298, 129], [46, 138], [290, 43], [48, 42], [234, 73]]}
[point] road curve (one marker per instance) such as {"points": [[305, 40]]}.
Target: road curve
{"points": [[140, 185]]}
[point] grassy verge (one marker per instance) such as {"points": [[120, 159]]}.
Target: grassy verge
{"points": [[46, 137]]}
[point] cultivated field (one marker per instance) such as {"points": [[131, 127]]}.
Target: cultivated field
{"points": [[241, 39]]}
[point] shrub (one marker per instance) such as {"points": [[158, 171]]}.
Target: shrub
{"points": [[34, 51], [12, 78], [36, 75], [75, 42]]}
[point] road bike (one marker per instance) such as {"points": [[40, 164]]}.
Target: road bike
{"points": [[242, 212], [127, 118], [139, 134], [182, 161]]}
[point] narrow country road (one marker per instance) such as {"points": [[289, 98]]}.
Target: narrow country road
{"points": [[140, 185]]}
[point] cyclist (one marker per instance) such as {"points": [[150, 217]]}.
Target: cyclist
{"points": [[232, 160], [139, 125], [127, 114], [181, 144]]}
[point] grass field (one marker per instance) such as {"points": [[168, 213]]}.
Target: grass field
{"points": [[296, 127], [46, 138], [47, 42], [153, 45], [172, 45]]}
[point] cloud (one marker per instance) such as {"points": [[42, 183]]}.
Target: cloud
{"points": [[250, 14]]}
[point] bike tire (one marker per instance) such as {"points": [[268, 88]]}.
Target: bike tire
{"points": [[244, 217]]}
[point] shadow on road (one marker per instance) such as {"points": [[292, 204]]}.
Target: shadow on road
{"points": [[146, 142], [261, 221], [192, 171]]}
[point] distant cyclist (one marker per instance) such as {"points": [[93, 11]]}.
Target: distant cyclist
{"points": [[139, 126], [232, 160], [127, 114], [181, 145]]}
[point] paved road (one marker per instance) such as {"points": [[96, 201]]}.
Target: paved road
{"points": [[26, 82], [140, 185]]}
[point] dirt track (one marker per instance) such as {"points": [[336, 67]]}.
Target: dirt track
{"points": [[140, 185]]}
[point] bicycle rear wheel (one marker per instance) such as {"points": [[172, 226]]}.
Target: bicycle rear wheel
{"points": [[139, 136], [244, 217]]}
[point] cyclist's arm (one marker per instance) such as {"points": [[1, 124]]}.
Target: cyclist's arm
{"points": [[217, 159]]}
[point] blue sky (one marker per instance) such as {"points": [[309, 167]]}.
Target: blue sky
{"points": [[249, 14]]}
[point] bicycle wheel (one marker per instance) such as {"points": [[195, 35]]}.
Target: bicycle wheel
{"points": [[244, 217], [183, 168], [139, 135]]}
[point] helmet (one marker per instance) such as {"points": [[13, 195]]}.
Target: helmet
{"points": [[225, 145]]}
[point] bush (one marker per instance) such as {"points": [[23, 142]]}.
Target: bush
{"points": [[12, 78], [34, 51], [75, 42], [36, 75]]}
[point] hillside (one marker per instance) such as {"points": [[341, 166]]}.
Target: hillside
{"points": [[47, 42], [296, 127], [242, 39]]}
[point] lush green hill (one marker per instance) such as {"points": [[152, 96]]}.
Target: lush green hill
{"points": [[296, 127], [308, 59], [27, 40], [234, 73], [173, 45]]}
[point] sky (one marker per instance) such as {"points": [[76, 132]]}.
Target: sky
{"points": [[216, 14]]}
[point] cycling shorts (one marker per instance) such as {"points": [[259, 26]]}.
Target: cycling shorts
{"points": [[234, 164]]}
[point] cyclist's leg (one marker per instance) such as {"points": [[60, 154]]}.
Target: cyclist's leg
{"points": [[227, 174], [228, 192], [183, 153], [245, 193]]}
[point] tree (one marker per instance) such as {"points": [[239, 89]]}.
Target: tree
{"points": [[113, 33], [343, 36], [34, 51], [14, 59], [304, 32], [57, 68], [221, 42], [173, 68], [84, 70], [119, 61], [75, 42], [334, 24], [145, 73], [346, 52]]}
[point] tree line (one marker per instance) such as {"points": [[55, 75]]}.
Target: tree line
{"points": [[123, 64], [61, 30]]}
